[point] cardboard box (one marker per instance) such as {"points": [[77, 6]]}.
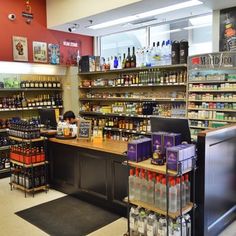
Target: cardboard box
{"points": [[171, 139]]}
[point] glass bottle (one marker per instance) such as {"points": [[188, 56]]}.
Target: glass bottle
{"points": [[128, 60], [123, 61], [133, 59]]}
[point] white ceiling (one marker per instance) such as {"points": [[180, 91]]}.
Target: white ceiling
{"points": [[142, 6]]}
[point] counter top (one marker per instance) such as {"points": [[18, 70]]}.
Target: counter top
{"points": [[109, 146]]}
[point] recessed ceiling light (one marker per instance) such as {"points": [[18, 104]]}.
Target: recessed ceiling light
{"points": [[155, 12]]}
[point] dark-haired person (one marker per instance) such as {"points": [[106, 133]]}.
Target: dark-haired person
{"points": [[69, 117]]}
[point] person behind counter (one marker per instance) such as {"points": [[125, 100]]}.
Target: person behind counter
{"points": [[70, 118]]}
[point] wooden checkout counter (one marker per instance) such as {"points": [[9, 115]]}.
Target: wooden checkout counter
{"points": [[93, 171]]}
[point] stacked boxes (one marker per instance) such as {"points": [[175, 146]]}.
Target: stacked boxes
{"points": [[89, 63], [139, 150], [179, 158]]}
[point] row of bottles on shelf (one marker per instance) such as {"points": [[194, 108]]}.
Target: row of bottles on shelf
{"points": [[4, 160], [25, 129], [210, 96], [199, 76], [155, 55], [139, 108], [225, 86], [27, 155], [49, 82], [19, 101], [206, 124], [147, 187], [148, 223], [211, 115], [137, 95], [5, 141], [214, 105], [129, 124], [28, 178], [119, 136], [152, 76]]}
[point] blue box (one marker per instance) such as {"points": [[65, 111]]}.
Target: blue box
{"points": [[135, 151], [172, 139], [157, 140]]}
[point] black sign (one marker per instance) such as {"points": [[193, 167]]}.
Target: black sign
{"points": [[84, 129]]}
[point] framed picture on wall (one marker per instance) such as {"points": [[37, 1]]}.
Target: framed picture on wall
{"points": [[20, 48], [39, 52], [54, 53]]}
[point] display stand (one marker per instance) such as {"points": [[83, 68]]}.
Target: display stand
{"points": [[26, 167], [146, 165]]}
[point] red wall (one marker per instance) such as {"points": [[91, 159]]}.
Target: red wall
{"points": [[36, 31]]}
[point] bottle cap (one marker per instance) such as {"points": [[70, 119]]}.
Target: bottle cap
{"points": [[186, 177], [163, 181], [158, 179], [131, 172], [150, 177], [182, 178], [172, 183], [178, 180]]}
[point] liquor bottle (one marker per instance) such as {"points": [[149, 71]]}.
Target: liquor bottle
{"points": [[40, 83], [49, 103], [54, 83], [58, 83], [27, 84], [36, 83], [45, 102], [49, 83], [31, 84], [45, 83], [22, 84], [52, 101], [128, 60], [23, 100], [133, 59], [123, 61]]}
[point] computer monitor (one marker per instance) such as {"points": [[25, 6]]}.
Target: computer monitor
{"points": [[48, 118], [173, 125]]}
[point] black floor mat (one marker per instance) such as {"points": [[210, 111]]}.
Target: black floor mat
{"points": [[67, 216]]}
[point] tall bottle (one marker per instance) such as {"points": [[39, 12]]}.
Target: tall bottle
{"points": [[133, 59], [133, 221], [172, 197], [178, 192], [151, 225], [143, 189], [123, 61], [142, 223], [150, 190], [157, 191], [131, 184], [128, 60], [183, 191], [163, 196], [187, 189], [137, 185]]}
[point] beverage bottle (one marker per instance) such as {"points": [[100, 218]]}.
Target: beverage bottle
{"points": [[133, 59], [162, 53], [137, 185], [187, 188], [188, 224], [131, 184], [142, 223], [128, 60], [138, 57], [123, 61], [163, 196], [168, 52], [162, 227], [157, 191], [133, 221], [157, 54], [151, 225], [150, 190], [148, 57], [153, 54], [143, 188], [172, 197], [178, 192], [184, 229], [183, 191]]}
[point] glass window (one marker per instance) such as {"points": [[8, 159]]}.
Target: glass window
{"points": [[117, 44]]}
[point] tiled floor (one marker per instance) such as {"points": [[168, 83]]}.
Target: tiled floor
{"points": [[13, 201]]}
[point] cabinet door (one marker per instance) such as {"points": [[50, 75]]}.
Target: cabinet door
{"points": [[64, 167], [93, 174], [120, 182]]}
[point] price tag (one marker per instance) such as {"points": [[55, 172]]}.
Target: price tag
{"points": [[172, 99]]}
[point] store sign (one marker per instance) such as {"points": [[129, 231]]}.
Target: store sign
{"points": [[70, 44], [215, 60]]}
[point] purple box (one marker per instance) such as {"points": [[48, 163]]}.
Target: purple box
{"points": [[147, 148], [157, 139], [182, 153], [172, 139], [135, 151]]}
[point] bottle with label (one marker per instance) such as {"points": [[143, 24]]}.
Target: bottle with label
{"points": [[45, 83], [142, 223], [183, 192], [133, 59], [157, 191], [151, 224], [187, 218], [133, 221], [137, 185], [128, 60], [143, 188], [178, 192], [150, 190], [123, 62], [162, 227]]}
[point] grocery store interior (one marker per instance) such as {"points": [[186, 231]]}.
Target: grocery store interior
{"points": [[118, 118]]}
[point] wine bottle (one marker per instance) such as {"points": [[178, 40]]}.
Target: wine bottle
{"points": [[128, 60], [133, 59], [123, 62]]}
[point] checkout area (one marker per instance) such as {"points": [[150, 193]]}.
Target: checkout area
{"points": [[95, 170]]}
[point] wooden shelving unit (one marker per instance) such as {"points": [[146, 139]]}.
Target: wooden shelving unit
{"points": [[43, 187], [29, 165]]}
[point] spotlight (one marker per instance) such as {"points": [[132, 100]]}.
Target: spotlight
{"points": [[73, 28]]}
